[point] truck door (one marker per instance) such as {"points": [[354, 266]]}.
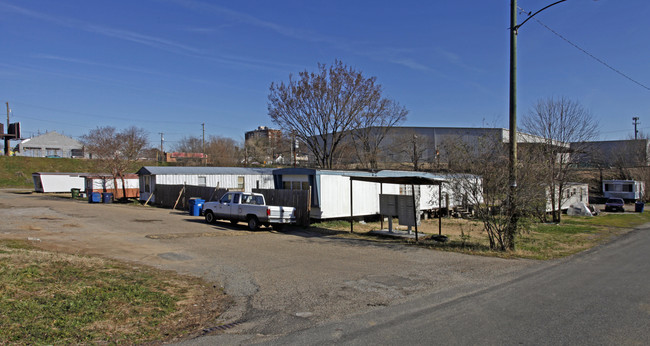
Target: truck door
{"points": [[222, 210]]}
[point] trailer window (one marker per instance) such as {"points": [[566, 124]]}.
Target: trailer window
{"points": [[627, 188], [202, 181], [240, 183]]}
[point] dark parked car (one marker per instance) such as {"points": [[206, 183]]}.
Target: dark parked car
{"points": [[615, 204]]}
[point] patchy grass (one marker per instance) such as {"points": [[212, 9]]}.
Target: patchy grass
{"points": [[537, 241], [53, 298], [16, 171]]}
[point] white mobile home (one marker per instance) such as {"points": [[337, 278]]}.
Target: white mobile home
{"points": [[240, 178], [626, 189], [331, 190], [573, 194], [57, 182]]}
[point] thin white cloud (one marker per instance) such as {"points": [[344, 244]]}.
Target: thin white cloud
{"points": [[93, 63], [254, 21], [125, 35]]}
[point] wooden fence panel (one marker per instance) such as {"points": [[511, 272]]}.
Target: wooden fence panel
{"points": [[299, 199], [166, 195]]}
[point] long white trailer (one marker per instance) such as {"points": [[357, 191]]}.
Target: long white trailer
{"points": [[58, 182]]}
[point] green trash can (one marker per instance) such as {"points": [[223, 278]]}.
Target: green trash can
{"points": [[75, 193]]}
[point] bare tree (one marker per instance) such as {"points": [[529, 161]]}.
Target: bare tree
{"points": [[412, 150], [480, 171], [561, 122], [190, 145], [223, 151], [268, 150], [371, 130], [116, 151], [320, 108]]}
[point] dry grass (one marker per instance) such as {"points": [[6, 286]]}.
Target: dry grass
{"points": [[48, 298], [536, 241]]}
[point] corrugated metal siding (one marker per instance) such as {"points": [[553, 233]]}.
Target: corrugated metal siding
{"points": [[156, 170], [225, 181]]}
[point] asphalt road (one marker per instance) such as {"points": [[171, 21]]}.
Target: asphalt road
{"points": [[600, 297]]}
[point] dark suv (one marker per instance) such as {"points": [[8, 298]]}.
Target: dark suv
{"points": [[614, 204]]}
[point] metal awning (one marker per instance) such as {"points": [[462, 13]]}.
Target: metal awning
{"points": [[403, 180]]}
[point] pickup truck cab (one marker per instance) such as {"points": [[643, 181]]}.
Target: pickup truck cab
{"points": [[249, 207]]}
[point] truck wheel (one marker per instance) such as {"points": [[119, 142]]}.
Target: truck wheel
{"points": [[209, 216], [253, 223]]}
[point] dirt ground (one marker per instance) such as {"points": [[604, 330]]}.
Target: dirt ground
{"points": [[280, 282]]}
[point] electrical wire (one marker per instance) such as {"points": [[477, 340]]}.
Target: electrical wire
{"points": [[587, 53]]}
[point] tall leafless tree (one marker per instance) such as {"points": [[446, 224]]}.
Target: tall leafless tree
{"points": [[320, 108], [561, 122], [115, 151], [480, 171], [371, 130]]}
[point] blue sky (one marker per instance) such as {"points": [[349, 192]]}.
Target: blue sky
{"points": [[170, 65]]}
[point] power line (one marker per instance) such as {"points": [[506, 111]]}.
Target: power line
{"points": [[589, 54]]}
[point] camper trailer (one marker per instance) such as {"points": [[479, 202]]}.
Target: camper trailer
{"points": [[630, 190]]}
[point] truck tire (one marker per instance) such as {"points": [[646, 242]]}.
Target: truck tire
{"points": [[253, 223], [209, 216]]}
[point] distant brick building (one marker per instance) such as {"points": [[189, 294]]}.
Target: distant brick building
{"points": [[264, 132]]}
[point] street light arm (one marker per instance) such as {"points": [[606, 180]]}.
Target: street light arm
{"points": [[533, 15]]}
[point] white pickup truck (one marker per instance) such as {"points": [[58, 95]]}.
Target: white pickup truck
{"points": [[249, 207]]}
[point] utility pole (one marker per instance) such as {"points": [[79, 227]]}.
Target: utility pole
{"points": [[162, 152], [512, 171], [512, 168], [7, 135], [636, 122], [205, 161]]}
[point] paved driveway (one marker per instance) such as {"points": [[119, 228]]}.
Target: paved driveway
{"points": [[281, 282]]}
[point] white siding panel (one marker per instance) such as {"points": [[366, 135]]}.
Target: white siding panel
{"points": [[335, 197], [225, 181], [60, 183], [100, 183]]}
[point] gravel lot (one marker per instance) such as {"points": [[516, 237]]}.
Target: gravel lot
{"points": [[281, 282]]}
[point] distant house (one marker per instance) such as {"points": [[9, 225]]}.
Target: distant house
{"points": [[51, 144]]}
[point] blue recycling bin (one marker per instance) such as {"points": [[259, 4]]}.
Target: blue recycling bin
{"points": [[107, 197], [196, 206], [94, 197], [638, 207]]}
